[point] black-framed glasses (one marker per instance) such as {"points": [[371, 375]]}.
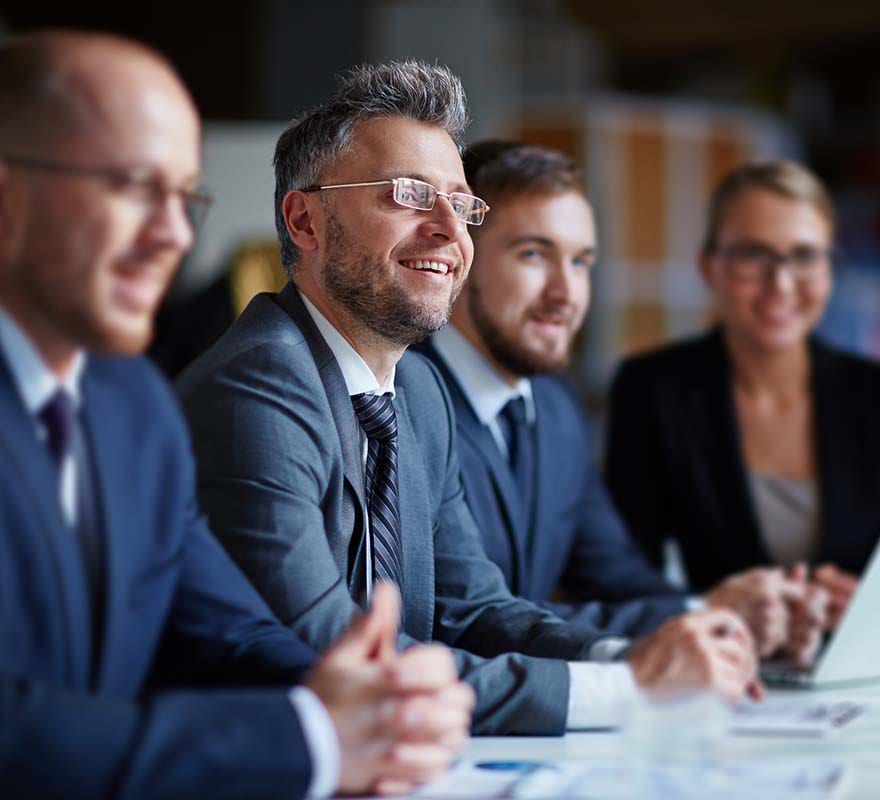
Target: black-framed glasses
{"points": [[140, 184], [754, 262], [413, 193]]}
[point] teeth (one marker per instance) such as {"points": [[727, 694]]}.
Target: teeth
{"points": [[431, 266]]}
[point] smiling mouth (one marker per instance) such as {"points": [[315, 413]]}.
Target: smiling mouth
{"points": [[427, 265]]}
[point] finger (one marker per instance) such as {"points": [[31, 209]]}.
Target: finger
{"points": [[422, 760], [755, 690], [423, 720], [792, 591], [798, 572], [390, 787], [368, 635], [415, 763], [424, 668], [834, 579], [385, 606]]}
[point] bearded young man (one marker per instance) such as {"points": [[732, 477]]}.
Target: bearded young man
{"points": [[325, 451], [526, 448]]}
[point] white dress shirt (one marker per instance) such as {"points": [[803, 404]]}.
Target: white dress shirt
{"points": [[599, 692], [36, 384]]}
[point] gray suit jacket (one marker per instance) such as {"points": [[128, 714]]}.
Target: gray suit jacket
{"points": [[280, 472]]}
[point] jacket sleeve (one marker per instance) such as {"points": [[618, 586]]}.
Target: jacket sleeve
{"points": [[59, 743]]}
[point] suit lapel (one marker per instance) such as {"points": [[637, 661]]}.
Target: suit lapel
{"points": [[716, 431], [415, 526], [344, 419], [833, 452], [503, 480], [36, 476], [112, 443]]}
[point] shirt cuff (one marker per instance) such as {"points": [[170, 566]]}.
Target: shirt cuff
{"points": [[322, 742], [599, 695], [693, 602], [609, 649]]}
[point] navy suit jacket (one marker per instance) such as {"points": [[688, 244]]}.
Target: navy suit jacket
{"points": [[177, 613], [676, 468], [281, 476], [577, 542]]}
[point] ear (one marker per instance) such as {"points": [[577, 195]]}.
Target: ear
{"points": [[300, 214]]}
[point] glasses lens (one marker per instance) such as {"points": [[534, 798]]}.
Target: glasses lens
{"points": [[468, 208], [414, 194]]}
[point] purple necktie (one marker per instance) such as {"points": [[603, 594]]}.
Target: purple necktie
{"points": [[59, 417]]}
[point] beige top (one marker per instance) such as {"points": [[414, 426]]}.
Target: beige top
{"points": [[788, 515]]}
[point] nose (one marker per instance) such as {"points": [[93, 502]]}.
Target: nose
{"points": [[782, 277], [169, 224], [560, 280], [442, 221]]}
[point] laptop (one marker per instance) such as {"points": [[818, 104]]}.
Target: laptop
{"points": [[852, 655]]}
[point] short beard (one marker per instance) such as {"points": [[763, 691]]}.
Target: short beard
{"points": [[384, 310], [515, 358]]}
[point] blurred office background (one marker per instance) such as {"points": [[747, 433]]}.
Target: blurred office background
{"points": [[657, 100]]}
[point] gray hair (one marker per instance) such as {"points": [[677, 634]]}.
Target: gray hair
{"points": [[411, 89]]}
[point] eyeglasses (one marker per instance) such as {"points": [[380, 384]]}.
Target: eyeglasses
{"points": [[751, 263], [413, 193], [139, 184]]}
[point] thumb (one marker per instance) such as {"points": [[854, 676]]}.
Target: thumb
{"points": [[371, 636], [386, 610]]}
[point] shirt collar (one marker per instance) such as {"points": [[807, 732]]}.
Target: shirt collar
{"points": [[485, 389], [359, 378], [35, 382]]}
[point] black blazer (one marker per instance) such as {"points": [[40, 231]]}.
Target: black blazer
{"points": [[676, 470]]}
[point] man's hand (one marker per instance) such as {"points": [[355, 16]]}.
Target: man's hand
{"points": [[840, 585], [399, 718], [762, 597], [704, 650]]}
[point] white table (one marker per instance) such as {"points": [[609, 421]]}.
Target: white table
{"points": [[857, 746]]}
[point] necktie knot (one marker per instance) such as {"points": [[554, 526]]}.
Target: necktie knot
{"points": [[375, 412], [515, 410], [58, 416]]}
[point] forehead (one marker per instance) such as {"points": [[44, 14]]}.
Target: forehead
{"points": [[399, 147], [768, 216], [564, 219], [131, 111]]}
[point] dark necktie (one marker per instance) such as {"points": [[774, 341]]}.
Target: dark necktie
{"points": [[517, 432], [64, 438], [59, 418], [379, 422]]}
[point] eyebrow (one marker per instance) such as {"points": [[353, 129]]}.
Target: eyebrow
{"points": [[545, 242]]}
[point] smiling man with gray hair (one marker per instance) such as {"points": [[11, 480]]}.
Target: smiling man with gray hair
{"points": [[326, 451]]}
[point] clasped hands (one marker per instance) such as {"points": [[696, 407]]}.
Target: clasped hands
{"points": [[786, 611], [399, 716]]}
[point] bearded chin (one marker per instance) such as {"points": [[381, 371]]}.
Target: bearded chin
{"points": [[510, 353], [380, 305]]}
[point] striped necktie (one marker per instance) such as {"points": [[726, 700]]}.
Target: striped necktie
{"points": [[379, 422]]}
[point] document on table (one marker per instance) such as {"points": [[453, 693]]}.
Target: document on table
{"points": [[801, 717], [796, 780]]}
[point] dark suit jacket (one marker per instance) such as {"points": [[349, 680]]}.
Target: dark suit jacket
{"points": [[676, 468], [281, 478], [577, 541], [177, 613]]}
